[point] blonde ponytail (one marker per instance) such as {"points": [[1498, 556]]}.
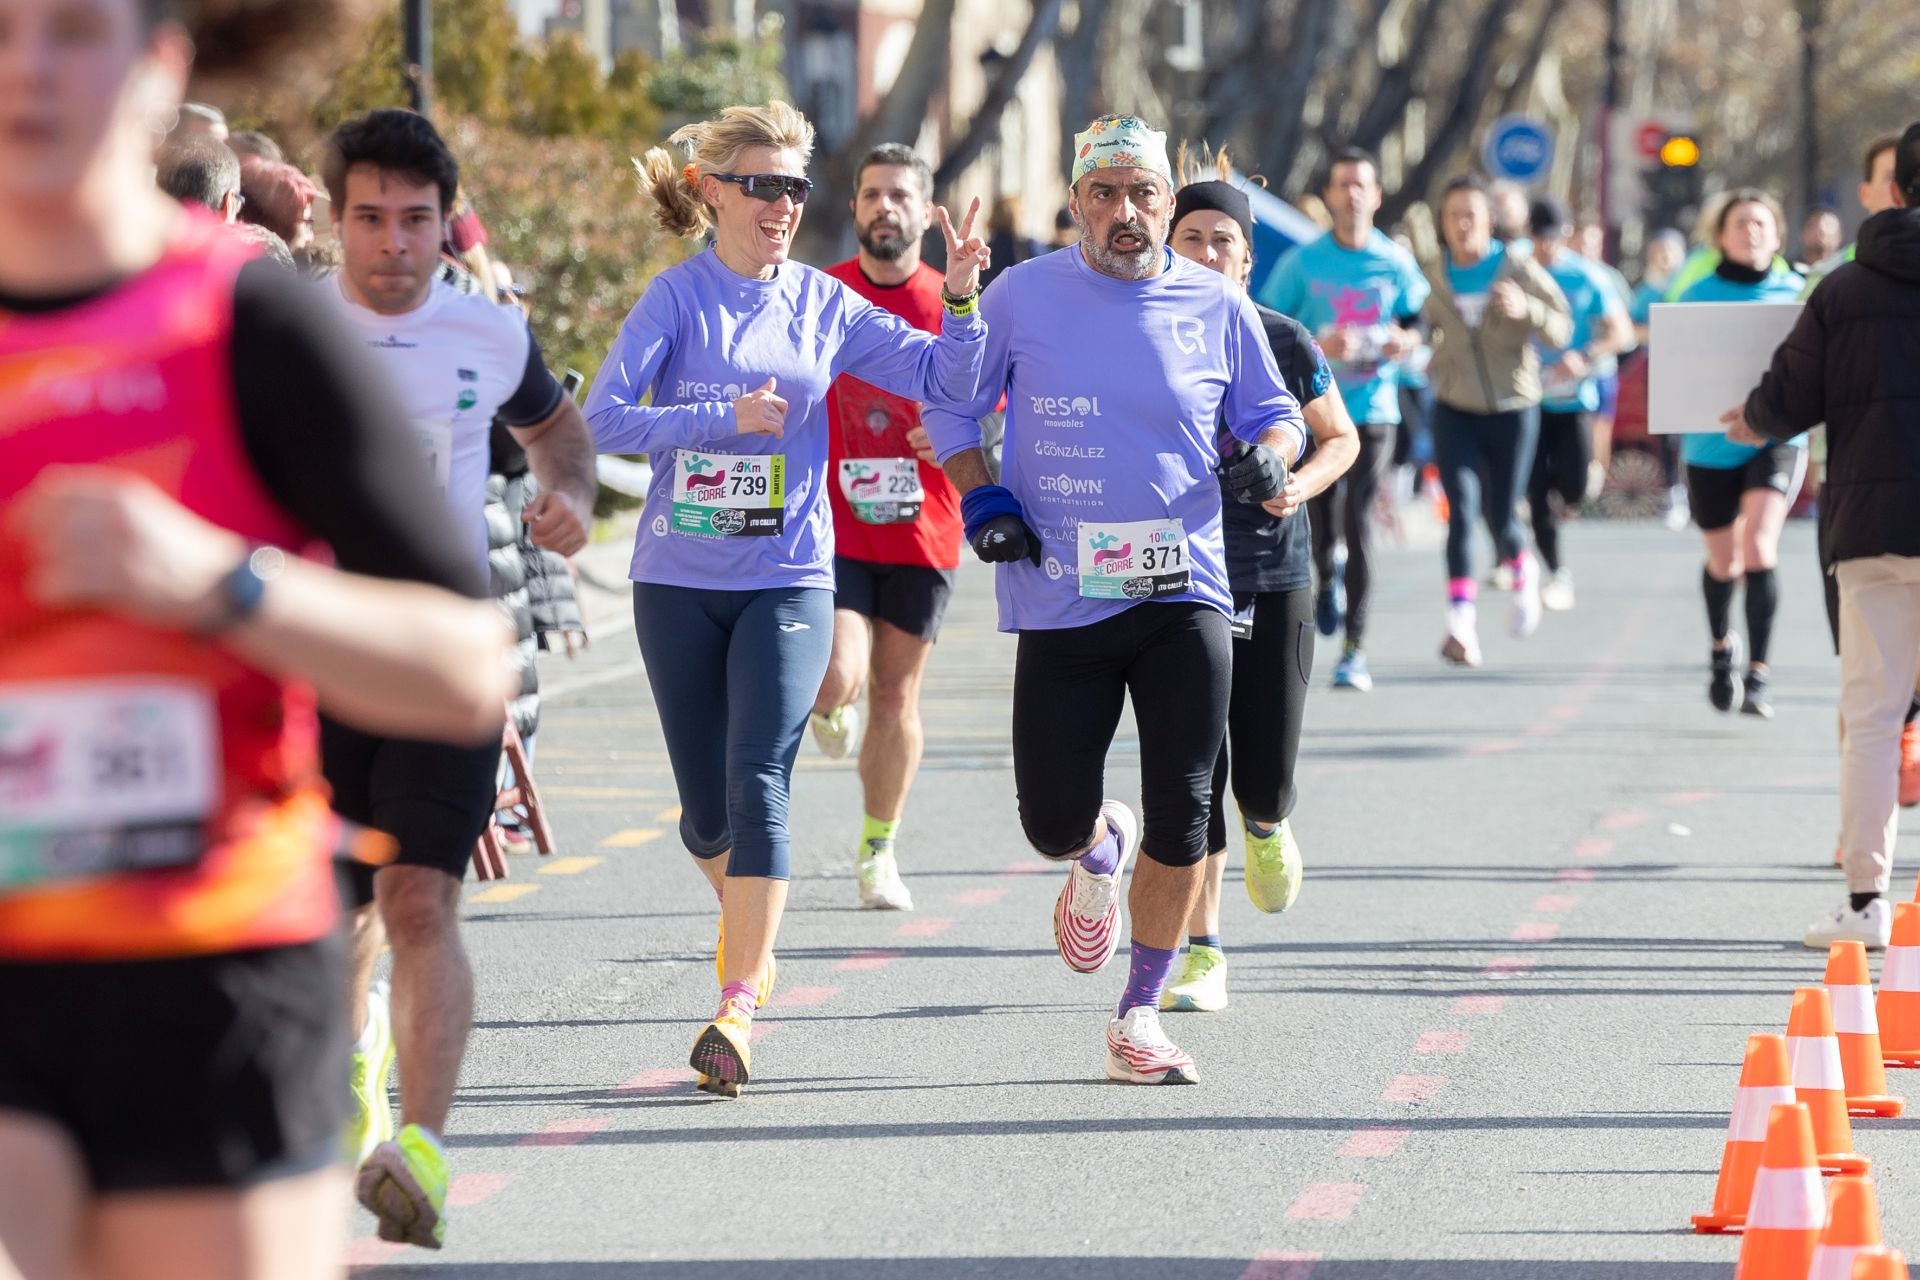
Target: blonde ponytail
{"points": [[712, 147]]}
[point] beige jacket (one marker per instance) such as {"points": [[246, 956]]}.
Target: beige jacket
{"points": [[1492, 367]]}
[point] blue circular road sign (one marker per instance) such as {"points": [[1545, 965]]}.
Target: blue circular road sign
{"points": [[1518, 148]]}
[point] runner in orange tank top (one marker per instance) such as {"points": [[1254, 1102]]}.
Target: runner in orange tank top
{"points": [[184, 444]]}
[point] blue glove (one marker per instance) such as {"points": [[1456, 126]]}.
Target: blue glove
{"points": [[997, 526], [1254, 473]]}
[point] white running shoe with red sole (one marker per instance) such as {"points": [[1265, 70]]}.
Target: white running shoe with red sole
{"points": [[1138, 1051], [1086, 916]]}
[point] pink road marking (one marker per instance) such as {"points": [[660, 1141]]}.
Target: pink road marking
{"points": [[1575, 875], [1689, 797], [1507, 966], [1273, 1264], [867, 961], [1563, 712], [1544, 729], [367, 1252], [925, 927], [1625, 820], [1442, 1042], [761, 1030], [1480, 1006], [471, 1188], [1592, 847], [1026, 867], [654, 1079], [1555, 903], [1534, 931], [1374, 1144], [565, 1133], [1412, 1088], [1493, 747], [1328, 1201], [978, 897], [802, 997]]}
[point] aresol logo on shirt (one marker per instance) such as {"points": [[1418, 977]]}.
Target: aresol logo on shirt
{"points": [[1077, 491], [1069, 413], [689, 390]]}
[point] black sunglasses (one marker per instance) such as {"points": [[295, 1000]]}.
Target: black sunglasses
{"points": [[770, 186]]}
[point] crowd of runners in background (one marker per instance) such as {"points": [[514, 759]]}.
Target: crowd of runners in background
{"points": [[252, 700]]}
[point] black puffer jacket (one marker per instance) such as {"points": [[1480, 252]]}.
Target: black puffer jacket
{"points": [[1853, 362]]}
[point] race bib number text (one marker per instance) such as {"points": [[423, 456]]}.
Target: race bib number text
{"points": [[882, 490], [722, 495], [1141, 560]]}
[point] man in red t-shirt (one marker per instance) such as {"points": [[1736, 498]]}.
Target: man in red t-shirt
{"points": [[896, 524]]}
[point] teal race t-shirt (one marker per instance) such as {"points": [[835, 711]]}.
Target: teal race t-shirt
{"points": [[1325, 286]]}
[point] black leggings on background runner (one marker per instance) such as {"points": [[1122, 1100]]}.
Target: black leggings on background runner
{"points": [[1175, 661], [1345, 512], [1560, 465], [1271, 670], [1500, 445]]}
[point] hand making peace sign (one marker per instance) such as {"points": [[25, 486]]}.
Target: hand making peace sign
{"points": [[967, 254]]}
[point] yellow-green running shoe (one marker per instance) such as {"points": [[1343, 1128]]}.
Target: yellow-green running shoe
{"points": [[1273, 868], [1202, 985], [404, 1185], [762, 994], [372, 1121]]}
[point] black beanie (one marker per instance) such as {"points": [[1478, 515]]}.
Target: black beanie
{"points": [[1222, 197]]}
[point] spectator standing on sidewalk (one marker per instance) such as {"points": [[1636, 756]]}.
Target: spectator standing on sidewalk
{"points": [[1853, 362]]}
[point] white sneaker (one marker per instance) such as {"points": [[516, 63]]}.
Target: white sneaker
{"points": [[880, 885], [1501, 579], [1525, 618], [1679, 514], [835, 731], [1873, 926], [1086, 915], [1462, 645], [1557, 594], [1138, 1051]]}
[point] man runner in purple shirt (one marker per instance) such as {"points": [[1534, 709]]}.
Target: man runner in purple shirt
{"points": [[1119, 360]]}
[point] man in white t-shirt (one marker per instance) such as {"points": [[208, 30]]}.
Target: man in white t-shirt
{"points": [[458, 361]]}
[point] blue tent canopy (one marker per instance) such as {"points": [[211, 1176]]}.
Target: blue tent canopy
{"points": [[1277, 227]]}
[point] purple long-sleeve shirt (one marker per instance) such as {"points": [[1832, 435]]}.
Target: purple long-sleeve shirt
{"points": [[743, 512], [1115, 391]]}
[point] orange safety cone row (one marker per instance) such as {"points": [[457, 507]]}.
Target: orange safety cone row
{"points": [[1850, 992], [1879, 1264], [1818, 1081], [1899, 1003], [1853, 1226], [1787, 1211], [1766, 1081]]}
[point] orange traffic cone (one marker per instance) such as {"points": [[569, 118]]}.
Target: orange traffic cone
{"points": [[1850, 991], [1818, 1081], [1880, 1264], [1787, 1212], [1899, 1002], [1766, 1081], [1853, 1224]]}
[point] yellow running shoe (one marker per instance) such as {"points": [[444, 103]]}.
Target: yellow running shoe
{"points": [[721, 1055], [763, 995], [372, 1121], [1202, 985], [1273, 868], [404, 1185]]}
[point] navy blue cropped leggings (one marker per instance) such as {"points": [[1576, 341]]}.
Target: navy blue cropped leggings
{"points": [[734, 674]]}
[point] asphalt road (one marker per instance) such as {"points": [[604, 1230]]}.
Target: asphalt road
{"points": [[1496, 1040]]}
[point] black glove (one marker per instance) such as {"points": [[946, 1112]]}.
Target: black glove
{"points": [[1255, 473], [1004, 539]]}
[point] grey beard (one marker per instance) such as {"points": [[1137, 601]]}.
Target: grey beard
{"points": [[1123, 266]]}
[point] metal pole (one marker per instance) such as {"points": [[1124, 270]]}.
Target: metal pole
{"points": [[1610, 218], [1810, 17], [416, 22]]}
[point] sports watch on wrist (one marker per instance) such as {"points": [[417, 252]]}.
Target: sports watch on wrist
{"points": [[244, 588]]}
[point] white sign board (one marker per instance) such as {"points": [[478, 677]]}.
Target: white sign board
{"points": [[1704, 357]]}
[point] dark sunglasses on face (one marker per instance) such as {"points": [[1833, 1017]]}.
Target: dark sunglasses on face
{"points": [[770, 186]]}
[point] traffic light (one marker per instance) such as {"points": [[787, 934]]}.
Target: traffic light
{"points": [[1673, 180]]}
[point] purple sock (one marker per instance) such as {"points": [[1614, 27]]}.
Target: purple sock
{"points": [[1105, 856], [1146, 977], [740, 993]]}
